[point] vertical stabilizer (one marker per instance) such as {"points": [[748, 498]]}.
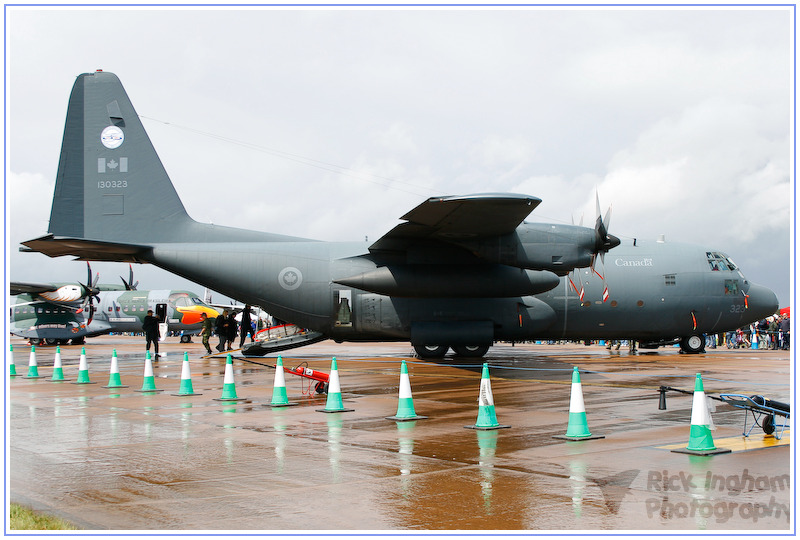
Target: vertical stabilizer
{"points": [[110, 183]]}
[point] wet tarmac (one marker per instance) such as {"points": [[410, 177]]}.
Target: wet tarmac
{"points": [[125, 460]]}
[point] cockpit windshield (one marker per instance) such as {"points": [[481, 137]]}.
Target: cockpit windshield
{"points": [[183, 299], [719, 262]]}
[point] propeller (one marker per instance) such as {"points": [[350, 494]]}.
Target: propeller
{"points": [[129, 285], [603, 240], [90, 292]]}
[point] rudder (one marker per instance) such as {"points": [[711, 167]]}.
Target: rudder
{"points": [[111, 184]]}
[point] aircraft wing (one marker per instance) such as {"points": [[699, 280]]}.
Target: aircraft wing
{"points": [[18, 287], [459, 217]]}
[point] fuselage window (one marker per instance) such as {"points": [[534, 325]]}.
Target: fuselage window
{"points": [[669, 280], [732, 286]]}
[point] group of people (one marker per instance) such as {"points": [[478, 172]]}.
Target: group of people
{"points": [[770, 333], [227, 328]]}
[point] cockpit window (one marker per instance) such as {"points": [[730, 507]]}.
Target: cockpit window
{"points": [[719, 262]]}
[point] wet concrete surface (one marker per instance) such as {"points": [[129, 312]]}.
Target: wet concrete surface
{"points": [[118, 459]]}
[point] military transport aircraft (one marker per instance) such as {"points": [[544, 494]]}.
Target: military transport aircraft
{"points": [[461, 272], [52, 313]]}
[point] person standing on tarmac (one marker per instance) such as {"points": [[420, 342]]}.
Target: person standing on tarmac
{"points": [[233, 330], [221, 328], [784, 327], [247, 326], [205, 332], [151, 332]]}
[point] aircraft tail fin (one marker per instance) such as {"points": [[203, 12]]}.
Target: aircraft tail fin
{"points": [[110, 184]]}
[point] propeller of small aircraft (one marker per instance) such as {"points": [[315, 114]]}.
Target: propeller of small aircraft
{"points": [[90, 292], [129, 285]]}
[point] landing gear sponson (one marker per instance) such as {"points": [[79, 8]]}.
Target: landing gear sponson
{"points": [[693, 344]]}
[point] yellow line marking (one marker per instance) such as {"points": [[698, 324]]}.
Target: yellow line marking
{"points": [[743, 444]]}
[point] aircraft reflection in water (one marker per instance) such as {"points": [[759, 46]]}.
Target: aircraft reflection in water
{"points": [[60, 312], [461, 272]]}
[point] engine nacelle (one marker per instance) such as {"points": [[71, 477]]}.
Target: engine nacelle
{"points": [[452, 281], [539, 246]]}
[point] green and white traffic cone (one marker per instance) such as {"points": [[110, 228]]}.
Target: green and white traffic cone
{"points": [[33, 367], [149, 382], [487, 417], [577, 427], [405, 403], [58, 369], [228, 385], [334, 402], [113, 377], [700, 440], [186, 388], [12, 365], [83, 369], [279, 396]]}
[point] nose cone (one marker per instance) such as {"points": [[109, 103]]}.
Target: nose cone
{"points": [[191, 315], [761, 302]]}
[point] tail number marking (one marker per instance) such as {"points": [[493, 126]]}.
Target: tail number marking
{"points": [[103, 184]]}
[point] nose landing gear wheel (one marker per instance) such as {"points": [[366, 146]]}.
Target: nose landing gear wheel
{"points": [[693, 344]]}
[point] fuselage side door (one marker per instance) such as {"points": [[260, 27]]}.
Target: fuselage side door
{"points": [[161, 314]]}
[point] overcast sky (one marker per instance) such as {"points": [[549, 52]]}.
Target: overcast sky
{"points": [[333, 123]]}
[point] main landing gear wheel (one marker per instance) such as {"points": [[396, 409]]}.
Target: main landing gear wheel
{"points": [[431, 351], [693, 344], [470, 351], [186, 339]]}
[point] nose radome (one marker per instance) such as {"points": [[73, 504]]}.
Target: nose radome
{"points": [[762, 302]]}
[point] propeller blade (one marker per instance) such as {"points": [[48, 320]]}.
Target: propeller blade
{"points": [[129, 285], [603, 240], [597, 203]]}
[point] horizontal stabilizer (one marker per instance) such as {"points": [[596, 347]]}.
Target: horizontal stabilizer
{"points": [[89, 250]]}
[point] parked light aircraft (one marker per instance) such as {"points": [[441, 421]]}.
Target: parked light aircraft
{"points": [[60, 312], [461, 272]]}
